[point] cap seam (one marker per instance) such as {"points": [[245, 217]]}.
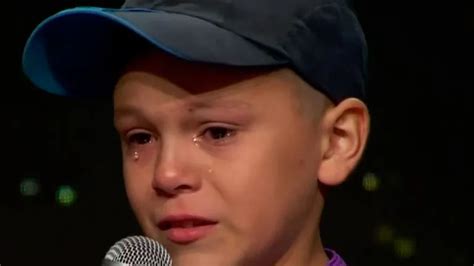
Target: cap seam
{"points": [[273, 53]]}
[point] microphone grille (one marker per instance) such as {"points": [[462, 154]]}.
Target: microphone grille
{"points": [[139, 250]]}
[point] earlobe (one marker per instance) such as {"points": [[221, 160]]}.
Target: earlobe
{"points": [[344, 136]]}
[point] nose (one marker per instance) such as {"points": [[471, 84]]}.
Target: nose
{"points": [[175, 170]]}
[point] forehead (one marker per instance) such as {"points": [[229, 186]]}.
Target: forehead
{"points": [[190, 81], [195, 77]]}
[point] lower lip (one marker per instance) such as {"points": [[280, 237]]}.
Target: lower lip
{"points": [[182, 235]]}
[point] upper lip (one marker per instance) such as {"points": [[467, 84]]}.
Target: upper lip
{"points": [[179, 219]]}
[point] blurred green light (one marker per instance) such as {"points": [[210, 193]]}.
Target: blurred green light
{"points": [[404, 247], [370, 182], [29, 187], [65, 196], [384, 234]]}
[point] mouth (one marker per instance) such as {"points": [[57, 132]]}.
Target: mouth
{"points": [[185, 229], [188, 223]]}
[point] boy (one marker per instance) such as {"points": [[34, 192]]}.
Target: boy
{"points": [[233, 116]]}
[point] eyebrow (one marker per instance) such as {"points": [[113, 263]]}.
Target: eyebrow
{"points": [[191, 106], [126, 110], [213, 104]]}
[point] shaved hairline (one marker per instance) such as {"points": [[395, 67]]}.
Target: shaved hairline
{"points": [[310, 103]]}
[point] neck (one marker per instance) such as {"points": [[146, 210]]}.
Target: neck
{"points": [[308, 249]]}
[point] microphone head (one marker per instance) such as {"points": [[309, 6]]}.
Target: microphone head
{"points": [[137, 250]]}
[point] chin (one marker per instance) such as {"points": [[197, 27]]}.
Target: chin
{"points": [[196, 259]]}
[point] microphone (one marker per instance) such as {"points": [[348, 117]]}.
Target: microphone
{"points": [[137, 250]]}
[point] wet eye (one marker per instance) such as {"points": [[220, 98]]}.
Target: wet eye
{"points": [[219, 133], [140, 138]]}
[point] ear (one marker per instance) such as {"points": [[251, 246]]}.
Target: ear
{"points": [[345, 130]]}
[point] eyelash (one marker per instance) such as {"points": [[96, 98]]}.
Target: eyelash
{"points": [[139, 138], [221, 140], [143, 137]]}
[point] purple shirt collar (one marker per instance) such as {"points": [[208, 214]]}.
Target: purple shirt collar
{"points": [[334, 258]]}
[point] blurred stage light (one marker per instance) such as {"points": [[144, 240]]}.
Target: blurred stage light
{"points": [[370, 182], [29, 187], [404, 247], [66, 196], [384, 234]]}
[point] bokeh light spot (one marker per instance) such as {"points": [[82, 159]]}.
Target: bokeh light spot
{"points": [[370, 182], [404, 247], [66, 196], [29, 187]]}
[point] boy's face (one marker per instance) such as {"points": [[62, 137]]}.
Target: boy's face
{"points": [[220, 165]]}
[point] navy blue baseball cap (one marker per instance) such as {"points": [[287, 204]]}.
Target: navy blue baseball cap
{"points": [[82, 51]]}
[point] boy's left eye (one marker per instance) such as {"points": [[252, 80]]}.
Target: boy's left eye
{"points": [[217, 133]]}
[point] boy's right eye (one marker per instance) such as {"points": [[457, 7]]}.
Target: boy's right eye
{"points": [[139, 138]]}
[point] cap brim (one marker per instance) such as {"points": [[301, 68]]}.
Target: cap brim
{"points": [[81, 51]]}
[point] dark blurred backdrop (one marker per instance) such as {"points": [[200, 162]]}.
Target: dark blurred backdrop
{"points": [[62, 200]]}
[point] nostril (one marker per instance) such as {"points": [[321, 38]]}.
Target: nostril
{"points": [[163, 193], [172, 193], [183, 187]]}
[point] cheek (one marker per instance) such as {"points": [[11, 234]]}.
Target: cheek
{"points": [[137, 166], [137, 186], [271, 185]]}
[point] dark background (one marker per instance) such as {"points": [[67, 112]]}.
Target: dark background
{"points": [[413, 209]]}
